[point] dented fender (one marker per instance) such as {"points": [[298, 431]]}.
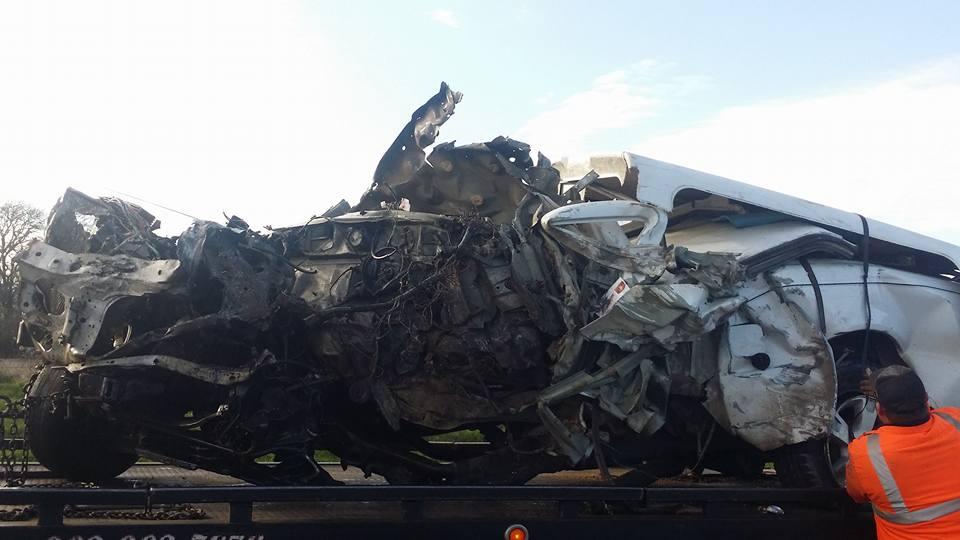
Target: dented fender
{"points": [[89, 284], [776, 380]]}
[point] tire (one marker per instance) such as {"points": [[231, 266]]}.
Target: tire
{"points": [[808, 464], [804, 465], [822, 462], [76, 448]]}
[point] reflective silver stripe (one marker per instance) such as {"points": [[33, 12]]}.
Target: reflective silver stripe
{"points": [[919, 516], [900, 514], [953, 421], [883, 473]]}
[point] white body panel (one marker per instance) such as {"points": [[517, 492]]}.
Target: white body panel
{"points": [[776, 381], [921, 313], [658, 183]]}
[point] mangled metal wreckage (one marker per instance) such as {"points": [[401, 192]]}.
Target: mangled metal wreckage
{"points": [[619, 312]]}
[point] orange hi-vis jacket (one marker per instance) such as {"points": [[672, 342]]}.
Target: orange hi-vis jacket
{"points": [[911, 476]]}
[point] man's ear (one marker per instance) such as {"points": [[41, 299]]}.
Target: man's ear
{"points": [[882, 414]]}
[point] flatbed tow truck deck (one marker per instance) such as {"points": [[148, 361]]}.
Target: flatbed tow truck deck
{"points": [[198, 505]]}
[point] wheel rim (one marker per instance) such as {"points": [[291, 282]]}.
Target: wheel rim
{"points": [[854, 416]]}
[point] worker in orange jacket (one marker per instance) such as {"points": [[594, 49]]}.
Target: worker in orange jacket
{"points": [[908, 468]]}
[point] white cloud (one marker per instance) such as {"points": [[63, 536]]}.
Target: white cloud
{"points": [[615, 100], [201, 106], [445, 17], [545, 99], [887, 150]]}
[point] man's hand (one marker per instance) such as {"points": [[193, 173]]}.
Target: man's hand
{"points": [[866, 385]]}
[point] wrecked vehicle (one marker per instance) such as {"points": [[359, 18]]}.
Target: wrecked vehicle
{"points": [[617, 312]]}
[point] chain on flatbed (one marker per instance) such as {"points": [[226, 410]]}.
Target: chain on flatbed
{"points": [[167, 512], [18, 514], [13, 466]]}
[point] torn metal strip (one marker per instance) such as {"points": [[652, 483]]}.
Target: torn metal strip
{"points": [[195, 370]]}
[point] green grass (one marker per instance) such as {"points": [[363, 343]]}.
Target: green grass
{"points": [[11, 388], [325, 456], [467, 435], [319, 455]]}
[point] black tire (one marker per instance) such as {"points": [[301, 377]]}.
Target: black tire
{"points": [[77, 448], [804, 465]]}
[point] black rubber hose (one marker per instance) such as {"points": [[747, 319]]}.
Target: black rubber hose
{"points": [[821, 315], [865, 255]]}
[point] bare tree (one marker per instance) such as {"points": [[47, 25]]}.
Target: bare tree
{"points": [[20, 224]]}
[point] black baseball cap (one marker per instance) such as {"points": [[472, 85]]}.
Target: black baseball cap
{"points": [[900, 391]]}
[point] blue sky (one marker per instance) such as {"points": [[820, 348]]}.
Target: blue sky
{"points": [[275, 110], [513, 59]]}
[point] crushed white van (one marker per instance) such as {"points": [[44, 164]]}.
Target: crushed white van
{"points": [[615, 313]]}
